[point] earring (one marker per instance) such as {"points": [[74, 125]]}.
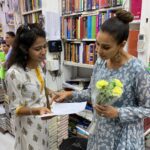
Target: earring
{"points": [[118, 57]]}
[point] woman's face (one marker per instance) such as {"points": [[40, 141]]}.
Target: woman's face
{"points": [[106, 46], [37, 52]]}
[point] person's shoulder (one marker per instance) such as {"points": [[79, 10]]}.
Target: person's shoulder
{"points": [[14, 69], [138, 65]]}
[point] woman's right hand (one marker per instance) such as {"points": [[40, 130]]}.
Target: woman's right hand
{"points": [[61, 96]]}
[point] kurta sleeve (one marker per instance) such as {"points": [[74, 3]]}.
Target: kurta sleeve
{"points": [[14, 86], [142, 92], [85, 95]]}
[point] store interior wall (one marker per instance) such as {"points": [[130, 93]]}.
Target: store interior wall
{"points": [[145, 29], [52, 13], [3, 9]]}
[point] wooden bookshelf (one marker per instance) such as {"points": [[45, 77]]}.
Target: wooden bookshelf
{"points": [[69, 63], [80, 25], [31, 11]]}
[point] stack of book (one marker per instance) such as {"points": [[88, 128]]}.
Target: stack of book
{"points": [[62, 128], [2, 119], [58, 130], [53, 133]]}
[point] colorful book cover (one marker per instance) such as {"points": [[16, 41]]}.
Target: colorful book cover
{"points": [[93, 34], [91, 54], [136, 9], [89, 4], [89, 27], [97, 24], [104, 3], [132, 42]]}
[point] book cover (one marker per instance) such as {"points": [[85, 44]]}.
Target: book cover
{"points": [[136, 6], [132, 42], [89, 27], [93, 34], [104, 3]]}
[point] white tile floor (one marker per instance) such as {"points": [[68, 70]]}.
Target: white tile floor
{"points": [[6, 141]]}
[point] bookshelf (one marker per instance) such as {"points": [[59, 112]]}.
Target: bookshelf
{"points": [[81, 22], [78, 64], [31, 11]]}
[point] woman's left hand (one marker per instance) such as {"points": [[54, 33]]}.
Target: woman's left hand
{"points": [[107, 111]]}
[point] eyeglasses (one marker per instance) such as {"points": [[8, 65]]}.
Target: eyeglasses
{"points": [[39, 48]]}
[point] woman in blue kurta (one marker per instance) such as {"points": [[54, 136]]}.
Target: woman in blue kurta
{"points": [[118, 126]]}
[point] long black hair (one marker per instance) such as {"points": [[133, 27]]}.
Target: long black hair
{"points": [[118, 26], [26, 35]]}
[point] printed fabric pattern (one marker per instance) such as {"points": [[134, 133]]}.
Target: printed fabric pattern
{"points": [[126, 131], [23, 88]]}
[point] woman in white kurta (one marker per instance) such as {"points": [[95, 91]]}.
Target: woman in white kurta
{"points": [[25, 88]]}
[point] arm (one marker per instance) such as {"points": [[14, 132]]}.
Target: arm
{"points": [[142, 92], [85, 95], [73, 96], [21, 111]]}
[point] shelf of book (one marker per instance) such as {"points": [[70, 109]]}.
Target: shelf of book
{"points": [[69, 63], [79, 41], [92, 40], [86, 115], [32, 11]]}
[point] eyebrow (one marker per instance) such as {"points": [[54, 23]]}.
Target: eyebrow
{"points": [[40, 45], [106, 44]]}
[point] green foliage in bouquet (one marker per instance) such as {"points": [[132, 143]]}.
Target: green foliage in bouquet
{"points": [[108, 92]]}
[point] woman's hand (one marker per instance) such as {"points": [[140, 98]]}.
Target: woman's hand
{"points": [[107, 111], [61, 96], [43, 110]]}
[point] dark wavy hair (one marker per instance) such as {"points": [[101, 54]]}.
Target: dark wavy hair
{"points": [[11, 33], [118, 26], [26, 35]]}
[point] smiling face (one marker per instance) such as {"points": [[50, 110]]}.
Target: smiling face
{"points": [[37, 52], [106, 46]]}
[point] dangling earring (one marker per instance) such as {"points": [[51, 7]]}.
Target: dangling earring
{"points": [[118, 57]]}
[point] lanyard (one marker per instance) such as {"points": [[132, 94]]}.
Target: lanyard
{"points": [[40, 78]]}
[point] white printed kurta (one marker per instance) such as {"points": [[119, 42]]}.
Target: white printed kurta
{"points": [[126, 131], [23, 88]]}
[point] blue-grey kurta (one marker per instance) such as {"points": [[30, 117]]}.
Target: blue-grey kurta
{"points": [[126, 131]]}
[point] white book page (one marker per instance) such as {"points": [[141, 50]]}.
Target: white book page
{"points": [[65, 108]]}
